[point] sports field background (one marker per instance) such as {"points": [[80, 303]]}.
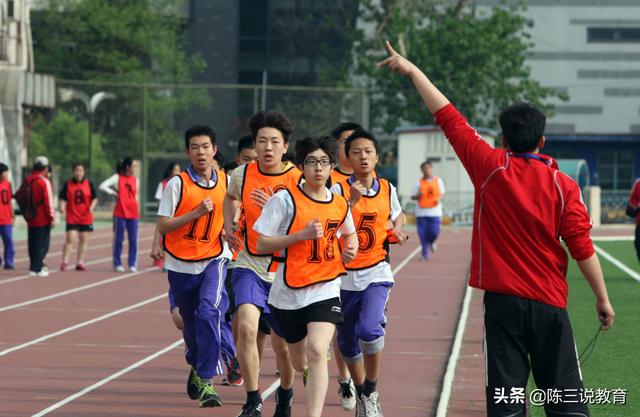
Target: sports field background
{"points": [[615, 362]]}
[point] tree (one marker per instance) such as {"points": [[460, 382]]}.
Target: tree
{"points": [[117, 46], [477, 60]]}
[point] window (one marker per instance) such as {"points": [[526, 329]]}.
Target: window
{"points": [[613, 35], [615, 170]]}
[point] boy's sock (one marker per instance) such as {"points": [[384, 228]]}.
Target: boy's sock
{"points": [[369, 387], [284, 395], [253, 397], [359, 390]]}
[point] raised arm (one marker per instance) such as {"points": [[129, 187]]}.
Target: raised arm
{"points": [[432, 97]]}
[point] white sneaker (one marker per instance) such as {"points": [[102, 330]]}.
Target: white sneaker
{"points": [[119, 268], [347, 393], [133, 268], [43, 273], [360, 410], [33, 274], [372, 405], [434, 247]]}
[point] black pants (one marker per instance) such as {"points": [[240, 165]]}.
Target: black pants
{"points": [[523, 335], [637, 241], [38, 239]]}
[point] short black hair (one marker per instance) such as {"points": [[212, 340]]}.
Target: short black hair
{"points": [[3, 168], [167, 172], [219, 158], [230, 166], [76, 165], [307, 145], [245, 142], [288, 157], [39, 166], [273, 119], [361, 134], [199, 130], [522, 127], [343, 127], [123, 164], [425, 163]]}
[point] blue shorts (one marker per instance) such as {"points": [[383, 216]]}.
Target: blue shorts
{"points": [[249, 288]]}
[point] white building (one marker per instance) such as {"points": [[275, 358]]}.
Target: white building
{"points": [[20, 87], [589, 49]]}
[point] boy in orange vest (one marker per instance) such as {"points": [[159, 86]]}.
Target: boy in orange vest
{"points": [[190, 220], [427, 193]]}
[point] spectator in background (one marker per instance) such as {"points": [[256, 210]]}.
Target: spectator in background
{"points": [[126, 215], [634, 201], [78, 199], [40, 225], [427, 193], [6, 217]]}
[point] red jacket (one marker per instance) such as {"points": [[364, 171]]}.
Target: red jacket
{"points": [[634, 199], [43, 199], [6, 210], [522, 208]]}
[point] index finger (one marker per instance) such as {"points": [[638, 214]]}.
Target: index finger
{"points": [[390, 49]]}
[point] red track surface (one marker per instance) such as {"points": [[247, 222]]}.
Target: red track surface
{"points": [[423, 314]]}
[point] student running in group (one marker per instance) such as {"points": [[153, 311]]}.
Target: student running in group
{"points": [[190, 220], [365, 292], [525, 206], [78, 199], [251, 186], [343, 169], [6, 218], [304, 225], [172, 170], [427, 193], [126, 216]]}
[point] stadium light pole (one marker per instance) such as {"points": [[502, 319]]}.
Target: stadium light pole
{"points": [[90, 106]]}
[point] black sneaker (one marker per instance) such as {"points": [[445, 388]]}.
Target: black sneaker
{"points": [[193, 384], [283, 408], [251, 409], [208, 396]]}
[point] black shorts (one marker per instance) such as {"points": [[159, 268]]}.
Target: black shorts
{"points": [[294, 322], [80, 227]]}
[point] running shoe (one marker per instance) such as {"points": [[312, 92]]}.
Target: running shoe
{"points": [[119, 268], [283, 408], [372, 405], [193, 384], [81, 266], [305, 376], [234, 375], [64, 266], [251, 409], [208, 396], [347, 393]]}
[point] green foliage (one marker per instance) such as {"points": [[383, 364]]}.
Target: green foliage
{"points": [[117, 46], [478, 61]]}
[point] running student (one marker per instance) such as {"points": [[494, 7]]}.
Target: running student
{"points": [[77, 201], [365, 293], [191, 222], [525, 205], [6, 217], [126, 216], [172, 170], [251, 186], [427, 193], [343, 169], [304, 224]]}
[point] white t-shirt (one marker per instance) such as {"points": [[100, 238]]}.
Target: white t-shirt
{"points": [[428, 211], [167, 208], [274, 221], [359, 280], [159, 190], [110, 185]]}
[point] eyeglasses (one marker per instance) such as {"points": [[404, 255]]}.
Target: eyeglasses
{"points": [[311, 162]]}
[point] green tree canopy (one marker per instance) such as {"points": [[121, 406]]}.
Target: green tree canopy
{"points": [[477, 60]]}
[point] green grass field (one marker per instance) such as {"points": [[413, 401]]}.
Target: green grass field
{"points": [[615, 362]]}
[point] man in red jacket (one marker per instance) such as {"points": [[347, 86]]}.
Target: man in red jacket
{"points": [[523, 206], [39, 227], [634, 200], [6, 217]]}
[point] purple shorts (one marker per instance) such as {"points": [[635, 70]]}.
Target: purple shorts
{"points": [[249, 288]]}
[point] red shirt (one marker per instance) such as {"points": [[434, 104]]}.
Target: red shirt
{"points": [[522, 208], [127, 201], [43, 199], [6, 210], [78, 196], [634, 199]]}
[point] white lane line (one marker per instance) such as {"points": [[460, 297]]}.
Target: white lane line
{"points": [[272, 388], [80, 325], [445, 394], [91, 247], [77, 289], [633, 274], [106, 380], [612, 238]]}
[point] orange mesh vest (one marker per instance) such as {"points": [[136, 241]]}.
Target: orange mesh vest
{"points": [[338, 176], [311, 262], [254, 179], [429, 193], [370, 215], [200, 239]]}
